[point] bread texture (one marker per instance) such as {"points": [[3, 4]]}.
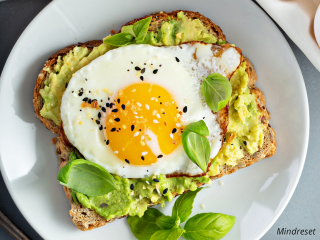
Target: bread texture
{"points": [[88, 219]]}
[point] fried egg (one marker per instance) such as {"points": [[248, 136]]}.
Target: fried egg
{"points": [[127, 109]]}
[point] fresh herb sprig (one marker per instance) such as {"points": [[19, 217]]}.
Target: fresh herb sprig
{"points": [[216, 90], [86, 177], [154, 225], [196, 145], [130, 34]]}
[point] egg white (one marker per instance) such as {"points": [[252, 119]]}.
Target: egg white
{"points": [[109, 73]]}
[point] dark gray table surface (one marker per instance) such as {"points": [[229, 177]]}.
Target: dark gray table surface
{"points": [[303, 210]]}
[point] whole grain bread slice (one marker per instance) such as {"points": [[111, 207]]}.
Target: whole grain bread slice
{"points": [[87, 219], [157, 19]]}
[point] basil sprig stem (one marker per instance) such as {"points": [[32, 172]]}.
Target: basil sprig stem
{"points": [[130, 34], [216, 90], [196, 145], [154, 225]]}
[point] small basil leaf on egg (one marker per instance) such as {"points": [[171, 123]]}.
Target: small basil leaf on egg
{"points": [[172, 234], [216, 90], [86, 177], [140, 28], [120, 39], [195, 145]]}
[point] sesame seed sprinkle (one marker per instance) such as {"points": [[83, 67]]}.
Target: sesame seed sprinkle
{"points": [[66, 85], [115, 110], [97, 121], [171, 135], [185, 109], [132, 127], [155, 180], [155, 121], [178, 124], [155, 71], [117, 119], [115, 152], [107, 142], [158, 115], [147, 107], [160, 156], [131, 186], [144, 153], [123, 107], [165, 191], [174, 130], [137, 68], [127, 161], [177, 59], [142, 157], [113, 129], [100, 128], [141, 78], [143, 70], [136, 134], [139, 104], [103, 109]]}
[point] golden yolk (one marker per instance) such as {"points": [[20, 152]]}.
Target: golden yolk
{"points": [[136, 109]]}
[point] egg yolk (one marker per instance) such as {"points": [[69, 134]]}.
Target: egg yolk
{"points": [[141, 114]]}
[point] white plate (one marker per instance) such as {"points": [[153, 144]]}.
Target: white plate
{"points": [[317, 26], [256, 195]]}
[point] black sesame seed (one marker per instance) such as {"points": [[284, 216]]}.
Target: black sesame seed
{"points": [[160, 65], [107, 142], [104, 127], [131, 186], [142, 157], [100, 128], [89, 91], [137, 68], [160, 102], [203, 117], [132, 127], [85, 99], [80, 110], [97, 121], [113, 129], [117, 119], [107, 104], [144, 64], [115, 110], [89, 101], [156, 180], [159, 97], [131, 62], [143, 70], [127, 161], [111, 105], [99, 115], [155, 71], [123, 107], [80, 94], [101, 100], [185, 109], [163, 113], [245, 143], [72, 91], [160, 156], [118, 100], [174, 130], [128, 70], [66, 85], [165, 191], [141, 77], [103, 109], [177, 59]]}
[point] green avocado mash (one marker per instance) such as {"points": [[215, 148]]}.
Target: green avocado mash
{"points": [[244, 129], [58, 78]]}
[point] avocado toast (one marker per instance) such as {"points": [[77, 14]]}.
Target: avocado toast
{"points": [[246, 109]]}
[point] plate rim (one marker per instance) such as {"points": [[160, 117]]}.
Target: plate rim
{"points": [[303, 153]]}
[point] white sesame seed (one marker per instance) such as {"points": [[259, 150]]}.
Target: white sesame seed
{"points": [[136, 134], [136, 116], [147, 182], [202, 206], [152, 98], [140, 197], [135, 113], [75, 94], [171, 135], [158, 115], [139, 104], [147, 107], [115, 152], [155, 121], [142, 137], [143, 187], [144, 153], [178, 124], [220, 182]]}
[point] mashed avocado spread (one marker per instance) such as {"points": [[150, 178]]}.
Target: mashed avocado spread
{"points": [[245, 130]]}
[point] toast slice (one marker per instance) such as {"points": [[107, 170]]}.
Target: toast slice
{"points": [[87, 219]]}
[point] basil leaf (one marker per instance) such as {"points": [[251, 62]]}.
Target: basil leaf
{"points": [[208, 226], [140, 28], [199, 127], [86, 177], [72, 156], [197, 148], [128, 29], [119, 39], [143, 228], [166, 222], [182, 208], [172, 234], [216, 89]]}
